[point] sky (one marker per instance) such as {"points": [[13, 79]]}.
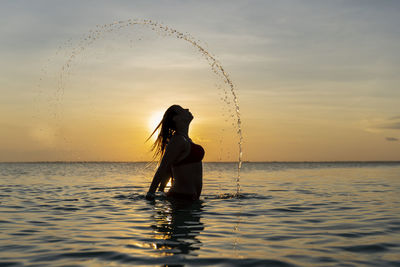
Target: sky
{"points": [[315, 80]]}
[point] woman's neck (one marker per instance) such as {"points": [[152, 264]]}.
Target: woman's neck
{"points": [[183, 131]]}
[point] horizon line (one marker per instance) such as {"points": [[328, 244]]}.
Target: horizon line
{"points": [[245, 161]]}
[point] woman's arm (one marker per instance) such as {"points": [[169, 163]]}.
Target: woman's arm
{"points": [[172, 151], [165, 181]]}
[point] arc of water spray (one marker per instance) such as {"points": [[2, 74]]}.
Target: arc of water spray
{"points": [[216, 66]]}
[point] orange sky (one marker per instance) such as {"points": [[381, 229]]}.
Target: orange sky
{"points": [[314, 82]]}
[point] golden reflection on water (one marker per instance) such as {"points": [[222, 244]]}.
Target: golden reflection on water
{"points": [[177, 225], [302, 216]]}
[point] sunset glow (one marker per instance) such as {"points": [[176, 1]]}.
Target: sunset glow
{"points": [[280, 143], [154, 120], [307, 89]]}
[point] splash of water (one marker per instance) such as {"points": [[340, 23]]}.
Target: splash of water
{"points": [[216, 66]]}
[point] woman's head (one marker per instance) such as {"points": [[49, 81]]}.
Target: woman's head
{"points": [[175, 119]]}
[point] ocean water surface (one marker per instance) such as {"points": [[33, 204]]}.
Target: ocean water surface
{"points": [[288, 214]]}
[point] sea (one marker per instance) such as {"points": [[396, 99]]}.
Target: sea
{"points": [[286, 214]]}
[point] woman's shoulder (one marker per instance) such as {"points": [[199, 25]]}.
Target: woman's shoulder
{"points": [[178, 140]]}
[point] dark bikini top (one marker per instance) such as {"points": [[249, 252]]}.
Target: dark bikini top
{"points": [[196, 154]]}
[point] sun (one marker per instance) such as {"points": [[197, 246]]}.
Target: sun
{"points": [[154, 120]]}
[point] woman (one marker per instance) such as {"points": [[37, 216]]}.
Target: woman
{"points": [[180, 158]]}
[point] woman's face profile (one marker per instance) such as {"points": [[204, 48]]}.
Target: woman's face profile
{"points": [[183, 115]]}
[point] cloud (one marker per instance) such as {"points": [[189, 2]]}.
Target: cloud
{"points": [[379, 125], [393, 126], [391, 123]]}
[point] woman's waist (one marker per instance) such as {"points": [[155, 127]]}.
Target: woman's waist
{"points": [[194, 169], [184, 165], [182, 195]]}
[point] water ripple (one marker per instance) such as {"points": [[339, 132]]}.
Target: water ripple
{"points": [[271, 223], [371, 248]]}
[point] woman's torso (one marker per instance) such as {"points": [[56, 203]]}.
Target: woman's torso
{"points": [[187, 172]]}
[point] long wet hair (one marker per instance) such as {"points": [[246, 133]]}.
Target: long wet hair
{"points": [[167, 128]]}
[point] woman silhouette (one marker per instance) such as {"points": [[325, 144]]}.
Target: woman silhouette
{"points": [[180, 158]]}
